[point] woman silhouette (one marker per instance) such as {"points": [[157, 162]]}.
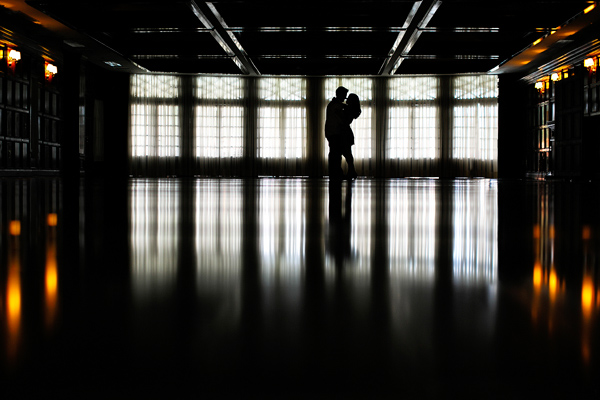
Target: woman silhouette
{"points": [[352, 111]]}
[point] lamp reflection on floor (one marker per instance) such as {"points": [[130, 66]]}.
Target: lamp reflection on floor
{"points": [[51, 271], [13, 292]]}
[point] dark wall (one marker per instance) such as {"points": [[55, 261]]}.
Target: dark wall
{"points": [[512, 127]]}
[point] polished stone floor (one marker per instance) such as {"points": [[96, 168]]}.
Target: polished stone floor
{"points": [[298, 288]]}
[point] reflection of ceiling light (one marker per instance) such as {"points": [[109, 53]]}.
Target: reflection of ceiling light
{"points": [[590, 8], [73, 43], [112, 64]]}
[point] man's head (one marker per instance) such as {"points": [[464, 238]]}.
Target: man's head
{"points": [[341, 93]]}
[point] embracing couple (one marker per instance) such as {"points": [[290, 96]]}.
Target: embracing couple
{"points": [[339, 134]]}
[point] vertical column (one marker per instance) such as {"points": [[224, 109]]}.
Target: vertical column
{"points": [[316, 127], [446, 169], [34, 91], [251, 128], [69, 136], [512, 127], [381, 87], [186, 122]]}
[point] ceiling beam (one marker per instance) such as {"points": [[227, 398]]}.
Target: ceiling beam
{"points": [[212, 20], [418, 18]]}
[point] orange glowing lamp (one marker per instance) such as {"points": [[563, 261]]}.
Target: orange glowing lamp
{"points": [[50, 71], [590, 64]]}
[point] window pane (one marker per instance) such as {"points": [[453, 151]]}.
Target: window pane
{"points": [[413, 125], [475, 121]]}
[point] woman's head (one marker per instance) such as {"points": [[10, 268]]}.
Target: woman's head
{"points": [[353, 99]]}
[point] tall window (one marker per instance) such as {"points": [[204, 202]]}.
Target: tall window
{"points": [[155, 125], [219, 117], [475, 124], [362, 127], [282, 125], [413, 136], [219, 125]]}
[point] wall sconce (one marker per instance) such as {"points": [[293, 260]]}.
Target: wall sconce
{"points": [[12, 57], [540, 86], [590, 64], [555, 77], [50, 71]]}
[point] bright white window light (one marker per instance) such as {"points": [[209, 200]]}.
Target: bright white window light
{"points": [[155, 119], [282, 118], [475, 121], [413, 126]]}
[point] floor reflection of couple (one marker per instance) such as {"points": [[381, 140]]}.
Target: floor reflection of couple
{"points": [[339, 116], [340, 213]]}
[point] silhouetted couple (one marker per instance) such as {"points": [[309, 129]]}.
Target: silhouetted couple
{"points": [[339, 134]]}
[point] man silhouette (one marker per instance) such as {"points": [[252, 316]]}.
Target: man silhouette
{"points": [[335, 125], [339, 135]]}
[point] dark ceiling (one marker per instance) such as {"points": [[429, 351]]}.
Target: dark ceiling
{"points": [[316, 38]]}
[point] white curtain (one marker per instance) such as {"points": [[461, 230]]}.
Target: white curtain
{"points": [[155, 125], [414, 134], [219, 125], [475, 125], [282, 128], [239, 126]]}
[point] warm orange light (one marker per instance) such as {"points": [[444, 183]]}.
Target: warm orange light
{"points": [[590, 8], [586, 234], [539, 85], [13, 300], [587, 296], [50, 71], [52, 219], [555, 77], [537, 41], [553, 283], [590, 64], [14, 228], [51, 279], [537, 275], [536, 228], [13, 55]]}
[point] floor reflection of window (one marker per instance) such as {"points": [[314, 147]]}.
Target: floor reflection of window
{"points": [[412, 229], [154, 213], [475, 222], [282, 231], [353, 258], [218, 238]]}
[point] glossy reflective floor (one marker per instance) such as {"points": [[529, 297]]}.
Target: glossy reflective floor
{"points": [[295, 288]]}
